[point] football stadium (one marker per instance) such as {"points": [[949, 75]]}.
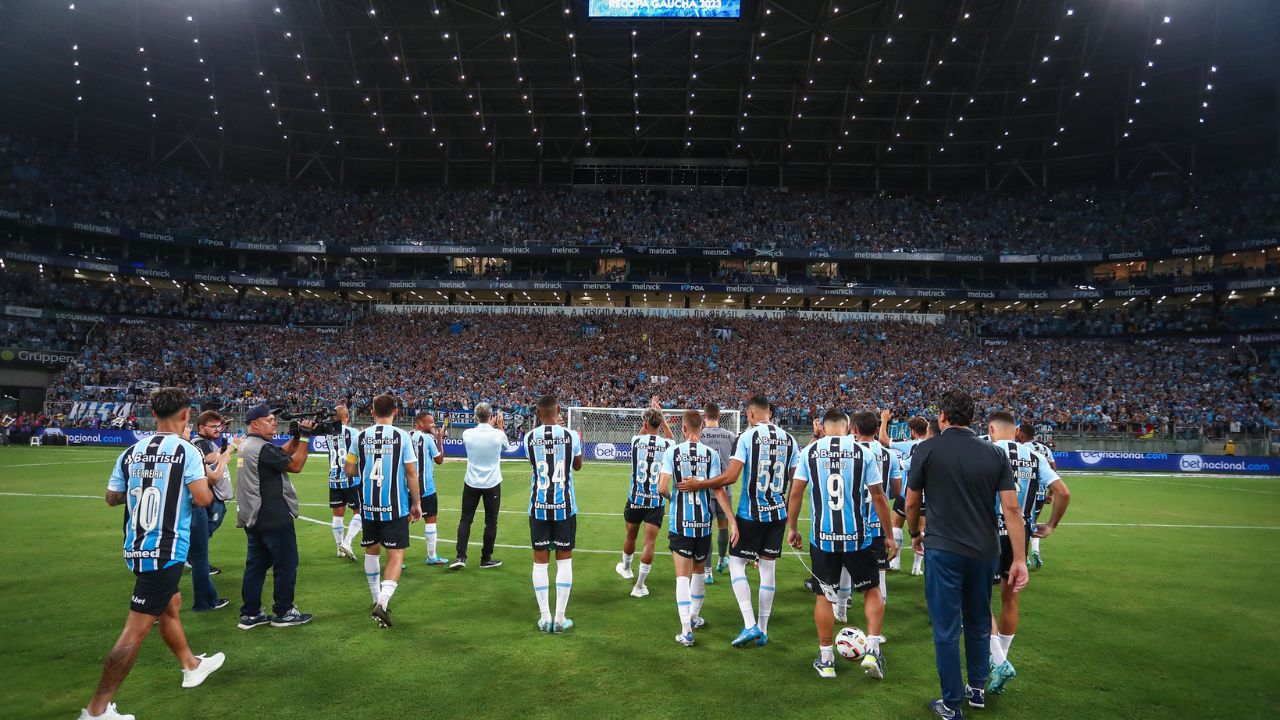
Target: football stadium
{"points": [[640, 359]]}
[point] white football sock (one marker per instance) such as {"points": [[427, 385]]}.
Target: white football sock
{"points": [[873, 643], [1006, 642], [843, 592], [897, 536], [1035, 544], [541, 590], [998, 654], [373, 573], [644, 573], [337, 530], [768, 574], [431, 536], [388, 589], [564, 583], [742, 589], [352, 529], [828, 653], [697, 593], [917, 563], [684, 605], [884, 589], [626, 560]]}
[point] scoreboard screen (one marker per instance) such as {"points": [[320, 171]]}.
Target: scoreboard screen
{"points": [[675, 9]]}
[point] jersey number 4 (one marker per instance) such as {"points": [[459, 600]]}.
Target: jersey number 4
{"points": [[375, 473]]}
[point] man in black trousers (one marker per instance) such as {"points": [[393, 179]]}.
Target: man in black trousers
{"points": [[966, 478]]}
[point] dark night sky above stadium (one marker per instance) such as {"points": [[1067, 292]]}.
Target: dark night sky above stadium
{"points": [[936, 94]]}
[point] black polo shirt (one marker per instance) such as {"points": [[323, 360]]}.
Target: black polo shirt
{"points": [[962, 476]]}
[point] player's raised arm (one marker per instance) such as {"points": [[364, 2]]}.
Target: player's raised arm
{"points": [[884, 438]]}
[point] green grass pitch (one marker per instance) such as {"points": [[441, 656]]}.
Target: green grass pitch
{"points": [[1159, 598]]}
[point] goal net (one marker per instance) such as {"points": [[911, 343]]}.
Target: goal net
{"points": [[608, 431]]}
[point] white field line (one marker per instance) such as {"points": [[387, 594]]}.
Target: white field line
{"points": [[521, 512]]}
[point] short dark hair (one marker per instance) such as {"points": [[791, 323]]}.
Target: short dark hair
{"points": [[712, 411], [918, 425], [934, 427], [1028, 431], [866, 423], [384, 405], [691, 420], [421, 416], [547, 403], [169, 401], [834, 415], [1000, 416], [958, 406], [760, 402], [208, 416]]}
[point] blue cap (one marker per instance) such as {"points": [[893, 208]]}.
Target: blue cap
{"points": [[257, 412]]}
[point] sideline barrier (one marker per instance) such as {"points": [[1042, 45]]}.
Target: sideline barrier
{"points": [[1086, 460]]}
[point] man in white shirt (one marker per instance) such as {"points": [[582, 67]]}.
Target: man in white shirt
{"points": [[484, 443]]}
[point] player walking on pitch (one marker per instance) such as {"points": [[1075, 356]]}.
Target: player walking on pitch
{"points": [[1031, 475], [765, 457], [344, 490], [157, 479], [690, 528], [382, 457], [644, 504], [841, 474], [428, 446], [555, 454]]}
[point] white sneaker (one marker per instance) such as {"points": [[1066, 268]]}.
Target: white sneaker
{"points": [[193, 678], [345, 551], [109, 714], [639, 591], [895, 565], [917, 570], [624, 571], [841, 616]]}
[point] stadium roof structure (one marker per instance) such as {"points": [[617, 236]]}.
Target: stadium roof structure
{"points": [[897, 94]]}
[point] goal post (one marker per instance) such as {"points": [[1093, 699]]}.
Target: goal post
{"points": [[607, 431]]}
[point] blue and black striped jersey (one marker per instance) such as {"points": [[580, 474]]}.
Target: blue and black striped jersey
{"points": [[840, 472], [339, 448], [768, 455], [647, 452], [551, 450], [890, 469], [691, 512], [424, 447], [382, 454], [154, 473], [1031, 475], [905, 448]]}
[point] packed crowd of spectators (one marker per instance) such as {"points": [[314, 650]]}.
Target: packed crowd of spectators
{"points": [[456, 361], [165, 300], [40, 334], [81, 186]]}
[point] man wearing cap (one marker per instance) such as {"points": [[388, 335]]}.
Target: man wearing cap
{"points": [[266, 504]]}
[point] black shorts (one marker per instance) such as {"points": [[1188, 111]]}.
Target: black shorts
{"points": [[636, 515], [900, 507], [390, 534], [695, 548], [153, 590], [717, 512], [861, 565], [560, 533], [430, 505], [349, 497], [1006, 559], [759, 539], [882, 557]]}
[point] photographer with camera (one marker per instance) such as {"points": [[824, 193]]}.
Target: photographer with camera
{"points": [[266, 504], [206, 521]]}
